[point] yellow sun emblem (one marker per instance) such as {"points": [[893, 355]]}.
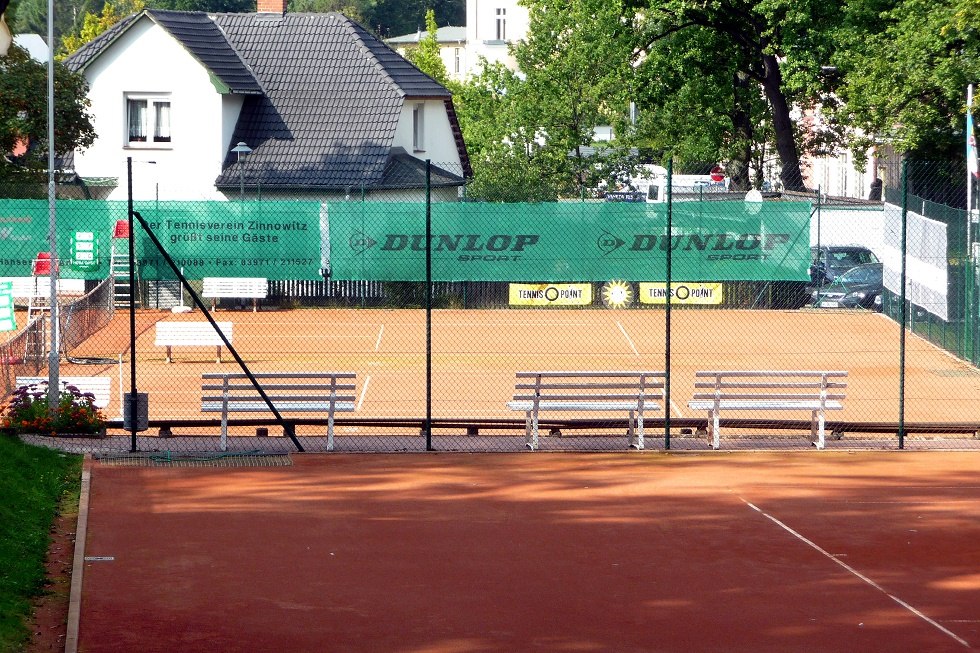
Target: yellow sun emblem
{"points": [[617, 294]]}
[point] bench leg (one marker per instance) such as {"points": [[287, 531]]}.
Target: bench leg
{"points": [[714, 428], [817, 424], [169, 357], [224, 427], [531, 430], [330, 431], [219, 354], [634, 431]]}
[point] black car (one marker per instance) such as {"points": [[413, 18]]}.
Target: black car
{"points": [[829, 261], [859, 287]]}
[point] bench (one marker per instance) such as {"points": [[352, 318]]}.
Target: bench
{"points": [[815, 391], [254, 288], [629, 392], [97, 386], [190, 334], [292, 392]]}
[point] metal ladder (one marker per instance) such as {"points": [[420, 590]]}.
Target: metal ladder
{"points": [[119, 267]]}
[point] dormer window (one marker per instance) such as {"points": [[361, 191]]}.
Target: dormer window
{"points": [[148, 120]]}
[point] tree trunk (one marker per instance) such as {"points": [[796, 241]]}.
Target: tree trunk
{"points": [[738, 173], [790, 174]]}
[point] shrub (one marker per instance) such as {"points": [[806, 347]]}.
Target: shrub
{"points": [[28, 412]]}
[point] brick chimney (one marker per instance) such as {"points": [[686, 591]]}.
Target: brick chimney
{"points": [[272, 7]]}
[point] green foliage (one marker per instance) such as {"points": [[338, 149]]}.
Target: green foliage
{"points": [[95, 24], [32, 483], [28, 412], [905, 66], [23, 119], [426, 55]]}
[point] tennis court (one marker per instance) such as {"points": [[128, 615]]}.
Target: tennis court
{"points": [[873, 551], [476, 353]]}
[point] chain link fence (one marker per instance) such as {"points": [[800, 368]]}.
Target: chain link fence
{"points": [[666, 313]]}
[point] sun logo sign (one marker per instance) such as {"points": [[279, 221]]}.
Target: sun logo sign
{"points": [[617, 294]]}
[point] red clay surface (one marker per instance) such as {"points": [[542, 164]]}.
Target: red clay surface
{"points": [[477, 352], [456, 553]]}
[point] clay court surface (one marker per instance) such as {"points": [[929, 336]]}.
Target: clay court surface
{"points": [[475, 354], [458, 553]]}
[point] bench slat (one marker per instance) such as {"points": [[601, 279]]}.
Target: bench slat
{"points": [[298, 392], [629, 391], [818, 391]]}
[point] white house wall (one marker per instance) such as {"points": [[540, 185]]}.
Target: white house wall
{"points": [[481, 32], [439, 144], [146, 59]]}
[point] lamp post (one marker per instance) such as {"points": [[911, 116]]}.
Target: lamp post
{"points": [[240, 149]]}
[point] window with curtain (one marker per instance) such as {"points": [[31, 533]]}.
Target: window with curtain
{"points": [[147, 120]]}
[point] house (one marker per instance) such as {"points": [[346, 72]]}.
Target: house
{"points": [[491, 26], [319, 106], [452, 48]]}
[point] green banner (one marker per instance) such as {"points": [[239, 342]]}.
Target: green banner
{"points": [[580, 241], [276, 240], [385, 241]]}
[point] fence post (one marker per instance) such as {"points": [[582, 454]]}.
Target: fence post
{"points": [[670, 250], [904, 309], [428, 305]]}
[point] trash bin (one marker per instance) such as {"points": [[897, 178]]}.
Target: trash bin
{"points": [[142, 411]]}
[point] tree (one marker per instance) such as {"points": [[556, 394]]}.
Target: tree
{"points": [[779, 45], [23, 119], [426, 56], [905, 67], [95, 24]]}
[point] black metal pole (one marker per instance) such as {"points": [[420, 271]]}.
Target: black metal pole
{"points": [[428, 305], [904, 314], [670, 249], [133, 412]]}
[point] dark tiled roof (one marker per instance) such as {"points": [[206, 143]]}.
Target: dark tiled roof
{"points": [[202, 38], [333, 98], [197, 33]]}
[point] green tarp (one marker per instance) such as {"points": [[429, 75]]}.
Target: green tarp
{"points": [[551, 242]]}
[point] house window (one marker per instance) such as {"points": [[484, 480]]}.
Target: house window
{"points": [[501, 24], [457, 60], [418, 128], [148, 120]]}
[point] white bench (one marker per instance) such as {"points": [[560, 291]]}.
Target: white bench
{"points": [[815, 391], [191, 334], [629, 392], [97, 386], [294, 392], [254, 288]]}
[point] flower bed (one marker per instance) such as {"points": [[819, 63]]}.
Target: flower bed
{"points": [[74, 415]]}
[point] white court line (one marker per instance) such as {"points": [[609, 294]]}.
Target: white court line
{"points": [[377, 343], [673, 405], [360, 402], [858, 574], [628, 339]]}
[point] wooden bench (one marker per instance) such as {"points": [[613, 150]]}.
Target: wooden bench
{"points": [[292, 392], [191, 334], [628, 392], [97, 386], [815, 391], [254, 288]]}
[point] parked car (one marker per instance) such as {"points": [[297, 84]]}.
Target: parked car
{"points": [[829, 261], [859, 287]]}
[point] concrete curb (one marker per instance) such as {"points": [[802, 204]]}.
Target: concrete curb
{"points": [[78, 562]]}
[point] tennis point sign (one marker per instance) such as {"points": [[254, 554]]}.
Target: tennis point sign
{"points": [[614, 294]]}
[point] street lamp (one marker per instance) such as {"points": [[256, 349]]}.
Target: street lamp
{"points": [[241, 149]]}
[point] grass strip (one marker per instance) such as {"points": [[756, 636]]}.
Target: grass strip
{"points": [[34, 482]]}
